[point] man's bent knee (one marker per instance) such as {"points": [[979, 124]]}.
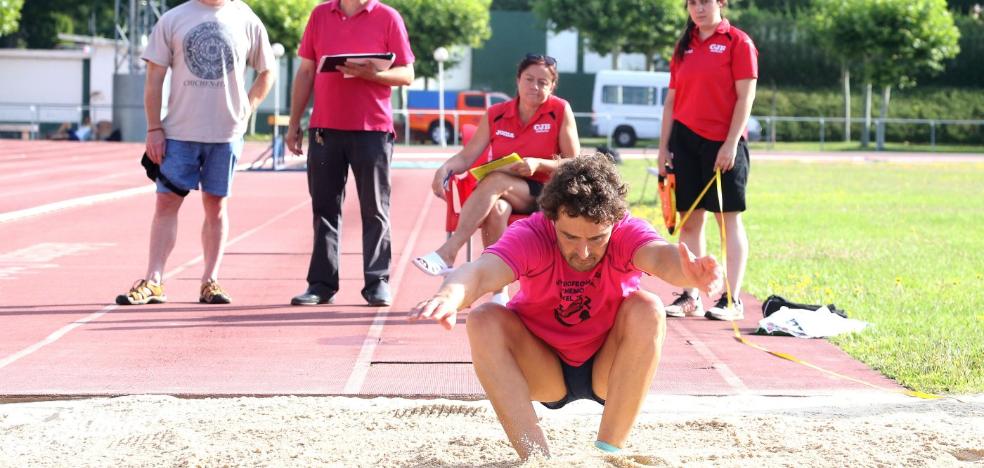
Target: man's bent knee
{"points": [[488, 316], [642, 312]]}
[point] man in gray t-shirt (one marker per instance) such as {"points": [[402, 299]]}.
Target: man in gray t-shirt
{"points": [[206, 45]]}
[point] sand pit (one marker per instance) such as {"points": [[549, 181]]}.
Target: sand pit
{"points": [[848, 429]]}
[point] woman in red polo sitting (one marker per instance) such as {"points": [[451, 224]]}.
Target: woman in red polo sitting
{"points": [[536, 125]]}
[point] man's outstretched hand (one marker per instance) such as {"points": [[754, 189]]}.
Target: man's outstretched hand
{"points": [[703, 272], [439, 308]]}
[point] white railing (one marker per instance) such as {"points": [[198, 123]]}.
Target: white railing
{"points": [[31, 116]]}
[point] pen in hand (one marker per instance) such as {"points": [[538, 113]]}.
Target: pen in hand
{"points": [[447, 178]]}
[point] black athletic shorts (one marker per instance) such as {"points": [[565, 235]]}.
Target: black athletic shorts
{"points": [[536, 188], [578, 382], [693, 164]]}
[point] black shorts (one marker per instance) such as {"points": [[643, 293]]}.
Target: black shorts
{"points": [[578, 382], [693, 164], [536, 188]]}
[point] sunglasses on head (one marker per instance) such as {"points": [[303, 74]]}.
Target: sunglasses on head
{"points": [[550, 61]]}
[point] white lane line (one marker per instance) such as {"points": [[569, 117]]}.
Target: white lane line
{"points": [[357, 378], [73, 203], [67, 328], [83, 201], [722, 369], [54, 336]]}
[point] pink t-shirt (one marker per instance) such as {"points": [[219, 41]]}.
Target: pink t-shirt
{"points": [[353, 103], [571, 311]]}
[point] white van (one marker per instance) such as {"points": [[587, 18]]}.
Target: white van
{"points": [[628, 105]]}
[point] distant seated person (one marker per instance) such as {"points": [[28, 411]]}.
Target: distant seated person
{"points": [[536, 125], [106, 132], [84, 132], [64, 132]]}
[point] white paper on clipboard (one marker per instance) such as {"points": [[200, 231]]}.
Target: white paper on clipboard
{"points": [[330, 63]]}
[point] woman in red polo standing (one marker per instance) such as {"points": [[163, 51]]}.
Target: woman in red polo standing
{"points": [[538, 126], [712, 85]]}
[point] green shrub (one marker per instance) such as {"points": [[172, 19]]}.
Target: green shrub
{"points": [[913, 103]]}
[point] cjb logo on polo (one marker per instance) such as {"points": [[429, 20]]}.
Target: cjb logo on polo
{"points": [[541, 128], [718, 48]]}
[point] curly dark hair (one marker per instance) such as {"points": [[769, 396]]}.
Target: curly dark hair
{"points": [[586, 186]]}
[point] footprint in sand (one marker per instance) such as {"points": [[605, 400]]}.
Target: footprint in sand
{"points": [[632, 461], [968, 455]]}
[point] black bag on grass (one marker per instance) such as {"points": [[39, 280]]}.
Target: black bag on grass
{"points": [[774, 303]]}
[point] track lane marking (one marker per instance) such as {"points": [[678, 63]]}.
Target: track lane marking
{"points": [[360, 369], [57, 334]]}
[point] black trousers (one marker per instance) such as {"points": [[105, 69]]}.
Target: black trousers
{"points": [[330, 154]]}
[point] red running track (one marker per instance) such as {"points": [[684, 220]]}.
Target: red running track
{"points": [[62, 264]]}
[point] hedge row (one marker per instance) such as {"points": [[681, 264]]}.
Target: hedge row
{"points": [[916, 103], [788, 56]]}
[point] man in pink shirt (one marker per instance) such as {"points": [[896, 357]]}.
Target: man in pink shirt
{"points": [[351, 126], [579, 327]]}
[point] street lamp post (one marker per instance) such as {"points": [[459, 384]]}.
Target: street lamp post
{"points": [[441, 54], [278, 147]]}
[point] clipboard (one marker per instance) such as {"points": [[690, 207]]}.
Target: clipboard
{"points": [[330, 63], [481, 171]]}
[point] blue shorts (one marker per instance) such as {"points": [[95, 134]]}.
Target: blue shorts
{"points": [[578, 383], [189, 164]]}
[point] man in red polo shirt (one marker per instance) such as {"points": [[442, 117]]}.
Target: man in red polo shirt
{"points": [[351, 125]]}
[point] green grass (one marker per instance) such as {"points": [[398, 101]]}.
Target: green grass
{"points": [[831, 146], [839, 146], [899, 246]]}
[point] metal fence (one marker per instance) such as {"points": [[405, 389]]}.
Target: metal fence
{"points": [[417, 126]]}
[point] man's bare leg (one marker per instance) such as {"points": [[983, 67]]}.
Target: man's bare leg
{"points": [[215, 230], [514, 368], [624, 367], [163, 234]]}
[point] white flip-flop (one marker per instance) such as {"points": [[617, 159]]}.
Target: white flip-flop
{"points": [[432, 264]]}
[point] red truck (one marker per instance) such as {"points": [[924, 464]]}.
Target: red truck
{"points": [[469, 106]]}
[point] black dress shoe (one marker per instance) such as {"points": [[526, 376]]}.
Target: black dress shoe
{"points": [[313, 296], [378, 295]]}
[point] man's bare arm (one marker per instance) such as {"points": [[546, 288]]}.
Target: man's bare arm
{"points": [[462, 287], [260, 88], [396, 76], [675, 264]]}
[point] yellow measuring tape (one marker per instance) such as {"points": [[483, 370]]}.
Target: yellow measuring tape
{"points": [[716, 180]]}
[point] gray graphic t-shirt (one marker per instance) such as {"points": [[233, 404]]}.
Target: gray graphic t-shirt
{"points": [[208, 49]]}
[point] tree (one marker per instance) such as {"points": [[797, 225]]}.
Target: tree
{"points": [[284, 20], [614, 27], [10, 11], [888, 42], [442, 23], [658, 35]]}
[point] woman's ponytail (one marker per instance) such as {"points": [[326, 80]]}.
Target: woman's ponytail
{"points": [[684, 43]]}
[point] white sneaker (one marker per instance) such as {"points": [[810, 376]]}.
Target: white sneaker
{"points": [[501, 298], [685, 305], [721, 311]]}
